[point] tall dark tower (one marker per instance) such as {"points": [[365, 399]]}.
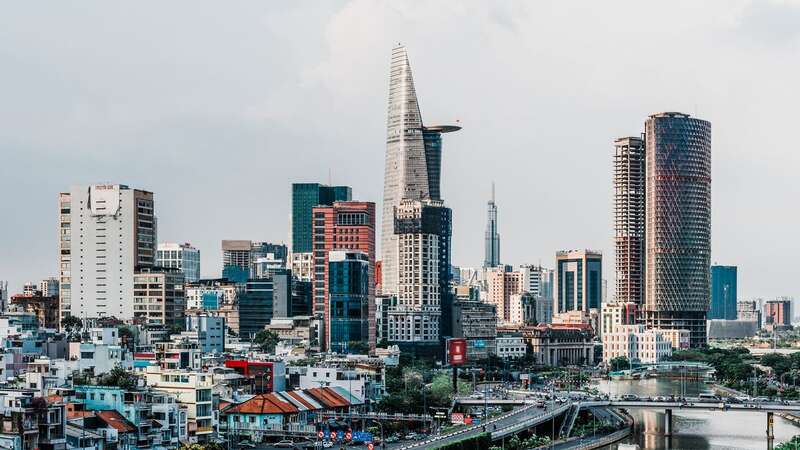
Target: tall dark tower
{"points": [[629, 217]]}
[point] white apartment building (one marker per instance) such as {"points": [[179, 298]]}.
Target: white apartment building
{"points": [[49, 287], [511, 346], [210, 295], [636, 343], [106, 231], [303, 266], [613, 314], [192, 389], [531, 279], [415, 318], [180, 256]]}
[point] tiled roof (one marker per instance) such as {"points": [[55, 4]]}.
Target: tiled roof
{"points": [[295, 401], [116, 421]]}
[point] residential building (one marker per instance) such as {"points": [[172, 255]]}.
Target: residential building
{"points": [[423, 240], [492, 237], [778, 313], [159, 296], [511, 346], [749, 310], [192, 389], [264, 376], [629, 219], [3, 295], [342, 226], [636, 344], [210, 294], [578, 279], [37, 423], [302, 266], [114, 235], [561, 344], [723, 293], [297, 329], [532, 279], [183, 257], [306, 196], [347, 327], [502, 284], [678, 217], [413, 161], [364, 379], [383, 304], [679, 339], [45, 308], [49, 287], [209, 331]]}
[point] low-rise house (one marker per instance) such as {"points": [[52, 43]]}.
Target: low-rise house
{"points": [[191, 389]]}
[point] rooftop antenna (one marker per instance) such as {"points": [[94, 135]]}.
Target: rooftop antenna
{"points": [[492, 191]]}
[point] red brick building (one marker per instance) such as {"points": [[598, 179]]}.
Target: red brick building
{"points": [[342, 226]]}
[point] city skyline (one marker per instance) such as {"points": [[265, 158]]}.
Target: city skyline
{"points": [[92, 155]]}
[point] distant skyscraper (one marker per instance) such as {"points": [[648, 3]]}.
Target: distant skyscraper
{"points": [[348, 296], [579, 281], [678, 218], [341, 226], [240, 257], [180, 256], [492, 250], [723, 293], [413, 160], [305, 196], [502, 284], [107, 232], [778, 312], [629, 215]]}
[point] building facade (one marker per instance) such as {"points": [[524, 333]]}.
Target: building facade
{"points": [[347, 327], [342, 226], [636, 344], [502, 283], [476, 322], [306, 196], [159, 296], [678, 218], [423, 240], [579, 281], [106, 232], [723, 293], [749, 310], [778, 313], [561, 345], [183, 257], [629, 218]]}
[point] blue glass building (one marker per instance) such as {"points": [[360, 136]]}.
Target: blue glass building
{"points": [[348, 294], [723, 293]]}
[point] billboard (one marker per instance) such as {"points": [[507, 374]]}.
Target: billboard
{"points": [[456, 351]]}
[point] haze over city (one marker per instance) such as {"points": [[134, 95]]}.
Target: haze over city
{"points": [[217, 113]]}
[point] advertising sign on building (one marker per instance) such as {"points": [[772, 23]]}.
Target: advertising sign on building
{"points": [[456, 351]]}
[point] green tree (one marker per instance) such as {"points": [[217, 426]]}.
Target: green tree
{"points": [[71, 323], [119, 377], [792, 444], [266, 340], [619, 363]]}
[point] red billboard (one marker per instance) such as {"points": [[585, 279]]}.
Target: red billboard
{"points": [[456, 351]]}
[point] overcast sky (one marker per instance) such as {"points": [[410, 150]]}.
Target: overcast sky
{"points": [[218, 107]]}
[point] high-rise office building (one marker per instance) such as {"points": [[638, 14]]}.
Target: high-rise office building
{"points": [[749, 310], [723, 293], [502, 284], [413, 160], [305, 196], [678, 223], [629, 216], [492, 236], [778, 312], [49, 287], [349, 296], [107, 232], [579, 281], [180, 256], [159, 296], [423, 229], [240, 258], [341, 226], [532, 279]]}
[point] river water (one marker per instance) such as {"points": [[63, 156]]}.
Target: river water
{"points": [[695, 430]]}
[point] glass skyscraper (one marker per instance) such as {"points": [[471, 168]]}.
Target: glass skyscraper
{"points": [[348, 297], [413, 160], [678, 223], [723, 293], [305, 196], [492, 238]]}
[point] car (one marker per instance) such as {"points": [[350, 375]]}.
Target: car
{"points": [[629, 398], [540, 404], [284, 444], [327, 444], [392, 439], [660, 398], [411, 436]]}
